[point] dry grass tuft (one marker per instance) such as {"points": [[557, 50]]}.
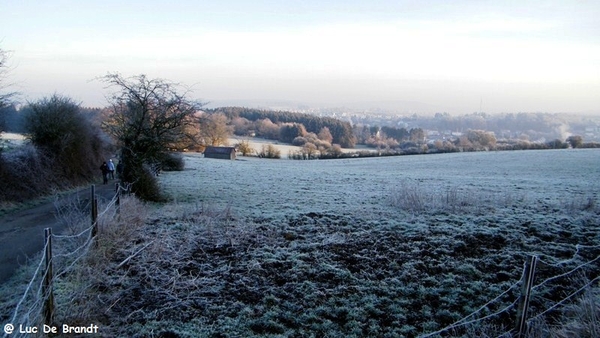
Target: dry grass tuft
{"points": [[579, 319], [417, 198], [80, 285]]}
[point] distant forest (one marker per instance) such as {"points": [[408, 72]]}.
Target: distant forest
{"points": [[341, 131]]}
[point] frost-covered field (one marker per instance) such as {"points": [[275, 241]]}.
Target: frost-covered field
{"points": [[377, 247], [396, 246], [271, 188]]}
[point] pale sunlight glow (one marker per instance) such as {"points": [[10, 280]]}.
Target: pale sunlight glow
{"points": [[549, 54]]}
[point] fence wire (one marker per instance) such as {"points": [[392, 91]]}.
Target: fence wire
{"points": [[565, 274], [564, 299], [33, 312], [464, 322], [33, 295], [30, 284]]}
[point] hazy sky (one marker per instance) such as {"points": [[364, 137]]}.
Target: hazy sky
{"points": [[453, 56]]}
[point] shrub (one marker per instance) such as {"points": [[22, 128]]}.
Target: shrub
{"points": [[172, 162], [309, 151], [245, 148], [269, 151], [25, 173], [481, 139], [335, 151], [146, 185], [58, 128], [299, 141]]}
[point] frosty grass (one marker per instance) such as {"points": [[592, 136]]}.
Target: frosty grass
{"points": [[395, 246]]}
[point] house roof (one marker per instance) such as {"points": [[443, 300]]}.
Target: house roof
{"points": [[219, 150]]}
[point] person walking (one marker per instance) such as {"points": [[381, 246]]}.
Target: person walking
{"points": [[104, 169], [111, 169]]}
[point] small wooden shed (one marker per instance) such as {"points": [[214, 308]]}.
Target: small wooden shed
{"points": [[225, 153]]}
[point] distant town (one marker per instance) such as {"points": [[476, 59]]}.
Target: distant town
{"points": [[533, 127]]}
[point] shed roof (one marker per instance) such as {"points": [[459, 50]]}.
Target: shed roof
{"points": [[219, 150]]}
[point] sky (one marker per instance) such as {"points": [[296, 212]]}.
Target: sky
{"points": [[458, 56]]}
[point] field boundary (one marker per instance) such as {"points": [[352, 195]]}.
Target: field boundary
{"points": [[464, 321], [41, 300]]}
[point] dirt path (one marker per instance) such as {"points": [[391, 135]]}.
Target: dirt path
{"points": [[22, 232]]}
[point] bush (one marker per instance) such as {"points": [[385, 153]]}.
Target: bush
{"points": [[58, 128], [245, 148], [481, 139], [172, 162], [269, 151], [146, 185], [26, 173], [299, 141], [334, 152]]}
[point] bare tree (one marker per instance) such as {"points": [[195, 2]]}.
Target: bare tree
{"points": [[146, 117], [245, 148], [482, 138], [325, 135], [309, 151], [4, 97], [213, 129]]}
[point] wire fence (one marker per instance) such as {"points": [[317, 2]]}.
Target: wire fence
{"points": [[30, 309], [467, 320], [36, 304]]}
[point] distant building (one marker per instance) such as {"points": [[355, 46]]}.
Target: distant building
{"points": [[225, 153]]}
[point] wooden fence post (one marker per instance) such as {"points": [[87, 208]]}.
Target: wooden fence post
{"points": [[47, 291], [527, 284], [94, 204], [118, 202]]}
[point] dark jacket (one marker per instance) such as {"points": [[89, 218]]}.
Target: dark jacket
{"points": [[104, 168]]}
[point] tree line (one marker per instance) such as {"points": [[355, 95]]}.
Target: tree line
{"points": [[341, 131]]}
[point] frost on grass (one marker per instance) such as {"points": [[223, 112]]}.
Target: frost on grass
{"points": [[321, 248], [211, 272]]}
